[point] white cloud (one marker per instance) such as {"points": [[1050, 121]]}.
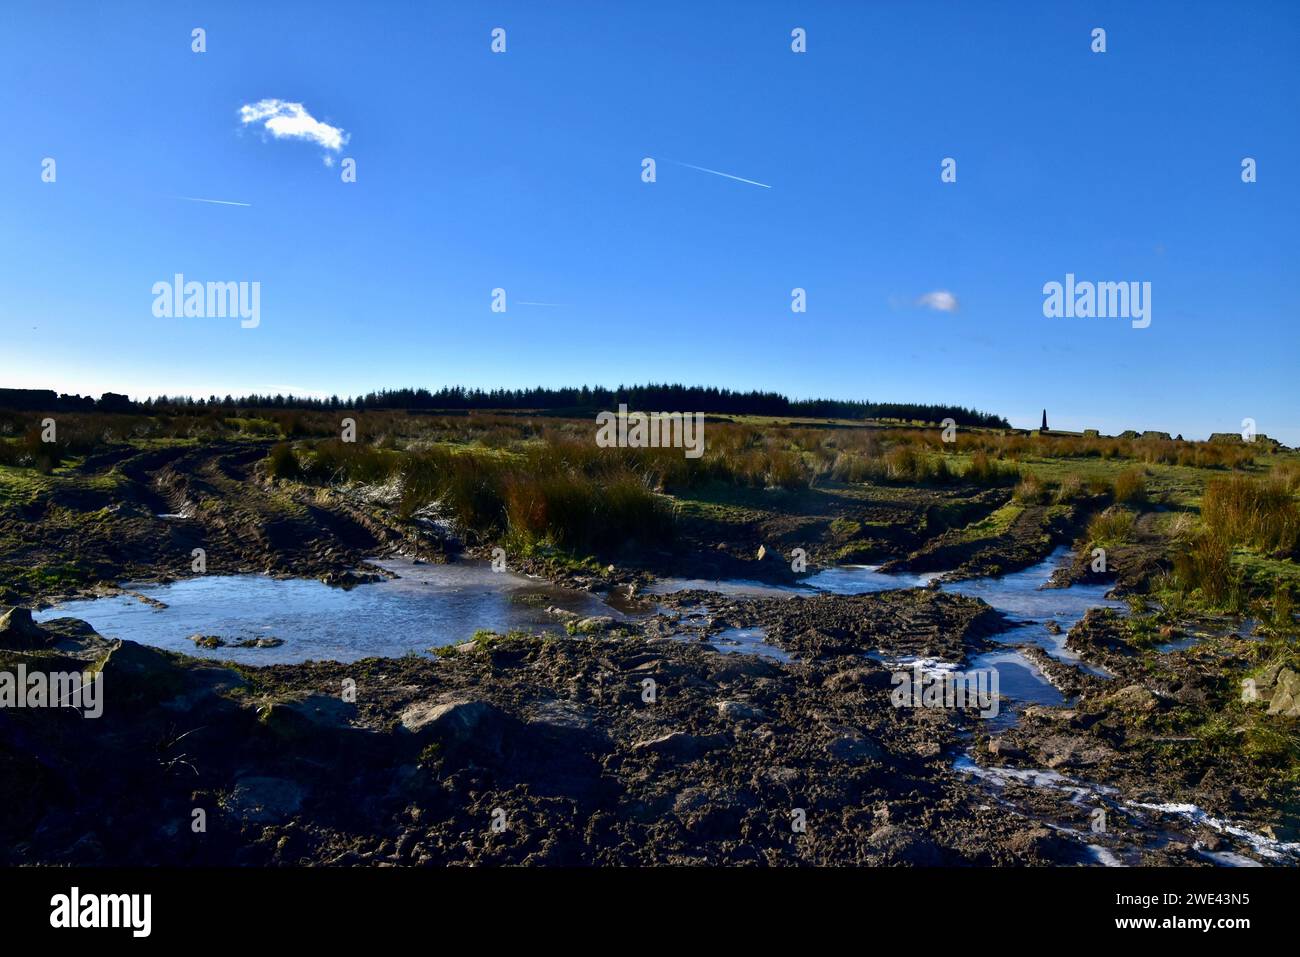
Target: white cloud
{"points": [[291, 121], [940, 300]]}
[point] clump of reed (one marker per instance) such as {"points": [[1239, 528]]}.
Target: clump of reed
{"points": [[986, 470], [1111, 526], [1130, 487], [578, 498], [1259, 513], [1205, 565], [1031, 490]]}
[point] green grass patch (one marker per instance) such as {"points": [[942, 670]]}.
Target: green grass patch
{"points": [[995, 523]]}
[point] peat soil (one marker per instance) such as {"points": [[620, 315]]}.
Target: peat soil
{"points": [[139, 515], [618, 746], [624, 744]]}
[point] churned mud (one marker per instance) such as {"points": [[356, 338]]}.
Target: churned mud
{"points": [[706, 725], [509, 750]]}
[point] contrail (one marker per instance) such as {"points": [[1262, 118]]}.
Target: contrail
{"points": [[704, 169], [221, 202]]}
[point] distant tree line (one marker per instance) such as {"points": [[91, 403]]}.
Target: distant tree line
{"points": [[647, 398]]}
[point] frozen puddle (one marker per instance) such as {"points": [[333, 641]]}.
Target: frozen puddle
{"points": [[427, 605], [748, 641], [1286, 851], [864, 579], [839, 580], [729, 587], [1086, 794], [1104, 856], [694, 624], [1018, 678], [929, 666], [1018, 681], [1079, 791], [1022, 595]]}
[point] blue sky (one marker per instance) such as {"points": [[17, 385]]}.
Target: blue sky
{"points": [[522, 171]]}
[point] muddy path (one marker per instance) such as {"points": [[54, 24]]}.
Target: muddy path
{"points": [[917, 622], [1169, 747], [141, 515], [556, 733], [721, 528], [601, 750], [616, 747], [1029, 537], [1129, 566]]}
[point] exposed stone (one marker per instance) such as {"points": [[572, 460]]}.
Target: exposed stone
{"points": [[457, 723], [19, 632], [1004, 749], [740, 711], [593, 625], [1133, 699], [681, 745], [265, 799]]}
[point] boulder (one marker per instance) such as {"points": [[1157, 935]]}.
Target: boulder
{"points": [[1286, 694], [739, 711], [594, 625], [1038, 844], [1005, 749], [259, 643], [264, 800], [306, 715], [1071, 751], [20, 633], [459, 724], [547, 715], [900, 845], [681, 745], [728, 668]]}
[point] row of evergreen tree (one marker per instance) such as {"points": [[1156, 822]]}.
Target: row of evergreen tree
{"points": [[576, 400]]}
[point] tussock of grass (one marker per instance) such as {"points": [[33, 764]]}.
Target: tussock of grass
{"points": [[1111, 527], [1131, 487], [576, 498], [1205, 566], [1261, 514], [1031, 490], [283, 462]]}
